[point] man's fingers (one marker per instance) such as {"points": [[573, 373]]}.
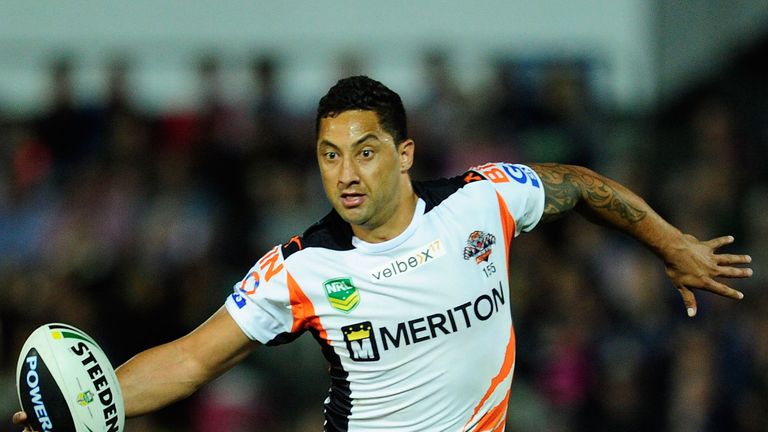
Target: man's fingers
{"points": [[19, 418], [689, 300], [719, 241], [730, 259], [735, 272], [722, 289]]}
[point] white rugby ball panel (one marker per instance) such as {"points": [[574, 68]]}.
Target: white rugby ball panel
{"points": [[82, 394]]}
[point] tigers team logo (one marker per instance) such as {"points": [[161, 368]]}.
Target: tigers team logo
{"points": [[479, 246], [342, 295]]}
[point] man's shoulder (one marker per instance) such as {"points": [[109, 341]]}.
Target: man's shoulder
{"points": [[330, 232], [434, 192]]}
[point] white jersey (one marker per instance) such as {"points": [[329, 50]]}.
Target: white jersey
{"points": [[417, 329]]}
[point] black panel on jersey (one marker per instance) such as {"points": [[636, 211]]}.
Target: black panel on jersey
{"points": [[339, 405], [331, 232], [433, 192], [284, 338]]}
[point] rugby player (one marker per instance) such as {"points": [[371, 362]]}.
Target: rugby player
{"points": [[404, 284]]}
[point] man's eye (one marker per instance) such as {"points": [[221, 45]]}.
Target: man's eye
{"points": [[330, 155], [366, 153]]}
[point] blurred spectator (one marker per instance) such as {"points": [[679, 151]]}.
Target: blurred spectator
{"points": [[275, 136], [440, 119], [693, 377], [711, 168], [65, 128], [504, 105], [566, 128], [125, 129], [234, 402]]}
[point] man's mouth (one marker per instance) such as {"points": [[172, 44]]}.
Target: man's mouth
{"points": [[352, 199]]}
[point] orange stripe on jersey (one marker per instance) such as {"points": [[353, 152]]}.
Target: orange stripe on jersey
{"points": [[506, 369], [495, 419], [271, 263], [304, 316], [507, 223]]}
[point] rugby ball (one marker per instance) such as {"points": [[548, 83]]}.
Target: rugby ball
{"points": [[66, 383]]}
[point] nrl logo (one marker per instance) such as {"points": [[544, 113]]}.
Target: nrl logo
{"points": [[342, 295], [479, 246], [85, 398]]}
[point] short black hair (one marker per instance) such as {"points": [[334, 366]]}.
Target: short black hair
{"points": [[364, 93]]}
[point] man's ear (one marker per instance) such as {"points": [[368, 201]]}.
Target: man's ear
{"points": [[405, 150]]}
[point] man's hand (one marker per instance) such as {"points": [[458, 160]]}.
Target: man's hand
{"points": [[19, 419], [693, 264]]}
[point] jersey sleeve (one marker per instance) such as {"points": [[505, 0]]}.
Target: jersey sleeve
{"points": [[260, 303], [522, 191]]}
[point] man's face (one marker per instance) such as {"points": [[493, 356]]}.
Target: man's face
{"points": [[362, 168]]}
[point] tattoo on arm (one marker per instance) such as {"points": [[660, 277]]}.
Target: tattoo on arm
{"points": [[567, 186]]}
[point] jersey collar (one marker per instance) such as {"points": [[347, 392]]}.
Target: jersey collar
{"points": [[385, 246]]}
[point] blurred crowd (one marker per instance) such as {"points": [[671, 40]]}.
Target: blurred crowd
{"points": [[134, 225]]}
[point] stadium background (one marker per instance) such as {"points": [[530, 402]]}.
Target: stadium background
{"points": [[150, 152]]}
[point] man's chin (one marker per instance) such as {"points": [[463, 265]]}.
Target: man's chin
{"points": [[353, 216]]}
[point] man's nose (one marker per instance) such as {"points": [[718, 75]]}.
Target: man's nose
{"points": [[349, 173]]}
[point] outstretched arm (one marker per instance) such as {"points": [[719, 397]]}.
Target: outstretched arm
{"points": [[690, 263], [170, 372], [173, 371]]}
